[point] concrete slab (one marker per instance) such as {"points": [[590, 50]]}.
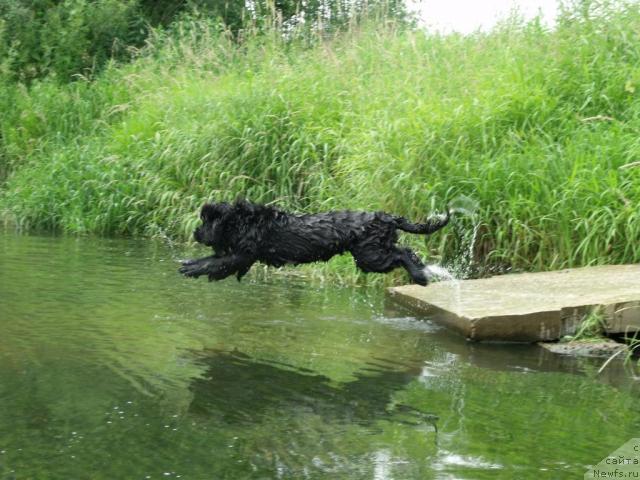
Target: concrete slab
{"points": [[530, 307]]}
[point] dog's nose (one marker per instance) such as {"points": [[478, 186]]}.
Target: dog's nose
{"points": [[197, 235]]}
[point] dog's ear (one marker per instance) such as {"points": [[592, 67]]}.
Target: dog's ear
{"points": [[207, 212], [213, 211]]}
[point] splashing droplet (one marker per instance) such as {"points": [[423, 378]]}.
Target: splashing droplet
{"points": [[464, 205]]}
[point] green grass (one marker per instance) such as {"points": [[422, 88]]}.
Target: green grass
{"points": [[591, 327], [537, 126]]}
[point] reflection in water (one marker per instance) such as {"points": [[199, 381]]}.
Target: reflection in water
{"points": [[113, 366], [240, 389]]}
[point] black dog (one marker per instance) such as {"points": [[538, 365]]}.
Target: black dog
{"points": [[244, 233]]}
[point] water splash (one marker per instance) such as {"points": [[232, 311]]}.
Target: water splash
{"points": [[437, 272], [462, 265], [464, 205], [466, 209]]}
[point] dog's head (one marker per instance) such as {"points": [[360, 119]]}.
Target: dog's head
{"points": [[213, 216]]}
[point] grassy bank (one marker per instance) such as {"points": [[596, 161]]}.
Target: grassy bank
{"points": [[539, 127]]}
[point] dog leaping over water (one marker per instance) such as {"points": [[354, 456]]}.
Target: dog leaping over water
{"points": [[243, 233]]}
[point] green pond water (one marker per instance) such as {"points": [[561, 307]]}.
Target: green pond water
{"points": [[113, 366]]}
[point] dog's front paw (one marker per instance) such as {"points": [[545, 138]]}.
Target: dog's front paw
{"points": [[192, 271], [188, 261], [194, 268]]}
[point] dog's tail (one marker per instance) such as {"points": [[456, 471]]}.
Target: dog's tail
{"points": [[433, 224]]}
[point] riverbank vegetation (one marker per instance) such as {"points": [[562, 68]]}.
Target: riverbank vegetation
{"points": [[538, 125]]}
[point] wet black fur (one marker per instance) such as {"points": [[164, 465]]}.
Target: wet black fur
{"points": [[243, 233]]}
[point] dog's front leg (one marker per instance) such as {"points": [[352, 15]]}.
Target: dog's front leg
{"points": [[225, 266], [216, 267], [199, 266]]}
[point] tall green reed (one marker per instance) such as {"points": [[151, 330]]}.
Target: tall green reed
{"points": [[538, 126]]}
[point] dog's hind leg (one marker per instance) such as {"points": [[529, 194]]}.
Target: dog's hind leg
{"points": [[376, 259], [413, 265]]}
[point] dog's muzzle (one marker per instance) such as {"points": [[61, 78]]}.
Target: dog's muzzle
{"points": [[197, 234]]}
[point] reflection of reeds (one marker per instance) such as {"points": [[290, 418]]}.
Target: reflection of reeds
{"points": [[520, 119], [630, 353]]}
